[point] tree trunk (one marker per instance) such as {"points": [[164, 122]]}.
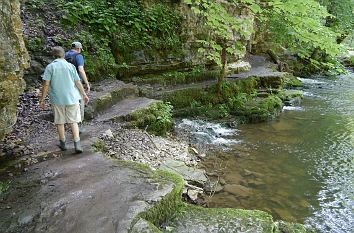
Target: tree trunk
{"points": [[273, 56], [223, 69], [314, 54]]}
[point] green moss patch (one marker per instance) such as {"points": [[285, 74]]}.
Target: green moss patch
{"points": [[259, 109], [292, 228], [176, 77], [292, 81], [287, 95], [156, 119], [164, 209], [197, 219], [238, 99]]}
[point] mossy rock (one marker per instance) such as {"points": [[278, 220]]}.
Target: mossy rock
{"points": [[288, 227], [287, 95], [292, 81], [156, 119], [197, 219], [259, 109], [143, 226], [165, 208], [176, 77]]}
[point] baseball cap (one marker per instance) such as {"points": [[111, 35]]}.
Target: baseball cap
{"points": [[76, 45]]}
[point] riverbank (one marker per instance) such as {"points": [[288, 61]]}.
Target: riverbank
{"points": [[42, 170]]}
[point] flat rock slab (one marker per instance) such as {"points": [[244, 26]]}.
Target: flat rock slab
{"points": [[188, 173], [107, 93], [261, 67], [107, 86], [81, 193], [125, 107], [258, 72], [191, 219]]}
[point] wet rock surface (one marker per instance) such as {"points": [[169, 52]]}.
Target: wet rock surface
{"points": [[99, 194], [196, 219], [81, 193]]}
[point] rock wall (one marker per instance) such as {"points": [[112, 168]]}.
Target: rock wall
{"points": [[41, 36], [13, 60], [151, 61]]}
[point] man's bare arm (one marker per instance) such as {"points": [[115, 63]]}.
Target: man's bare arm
{"points": [[82, 91], [44, 93], [84, 77]]}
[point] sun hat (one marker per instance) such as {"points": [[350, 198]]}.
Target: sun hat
{"points": [[76, 45]]}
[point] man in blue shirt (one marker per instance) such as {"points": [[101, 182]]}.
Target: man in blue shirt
{"points": [[65, 91], [75, 57]]}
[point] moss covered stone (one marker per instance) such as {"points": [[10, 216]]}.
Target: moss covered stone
{"points": [[292, 81], [238, 99], [156, 119], [165, 208], [197, 219], [176, 77], [292, 228], [287, 95], [259, 109]]}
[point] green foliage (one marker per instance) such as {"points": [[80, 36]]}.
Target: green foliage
{"points": [[222, 27], [35, 44], [4, 186], [197, 74], [300, 26], [233, 101], [99, 61], [157, 119], [251, 109], [343, 20], [36, 4], [127, 23], [98, 145]]}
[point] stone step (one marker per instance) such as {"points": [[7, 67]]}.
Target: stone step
{"points": [[104, 95], [158, 94], [123, 108], [107, 93]]}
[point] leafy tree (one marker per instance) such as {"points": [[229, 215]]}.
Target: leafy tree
{"points": [[343, 20], [222, 28], [300, 26]]}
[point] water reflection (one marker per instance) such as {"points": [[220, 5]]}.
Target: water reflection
{"points": [[299, 167]]}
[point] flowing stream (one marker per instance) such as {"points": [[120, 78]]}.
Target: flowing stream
{"points": [[298, 167]]}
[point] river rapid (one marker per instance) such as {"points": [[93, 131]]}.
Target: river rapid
{"points": [[298, 167]]}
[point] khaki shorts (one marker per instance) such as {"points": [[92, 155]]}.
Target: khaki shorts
{"points": [[66, 114]]}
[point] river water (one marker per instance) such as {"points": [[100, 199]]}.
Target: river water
{"points": [[298, 167]]}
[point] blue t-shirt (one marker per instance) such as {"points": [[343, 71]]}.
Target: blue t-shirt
{"points": [[79, 60], [62, 76]]}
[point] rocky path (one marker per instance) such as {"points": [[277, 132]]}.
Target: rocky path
{"points": [[258, 66], [82, 193], [67, 192], [55, 191]]}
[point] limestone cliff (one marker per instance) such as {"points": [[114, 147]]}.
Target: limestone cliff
{"points": [[13, 60], [152, 61], [42, 34]]}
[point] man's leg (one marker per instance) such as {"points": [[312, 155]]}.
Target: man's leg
{"points": [[82, 112], [61, 132], [75, 130]]}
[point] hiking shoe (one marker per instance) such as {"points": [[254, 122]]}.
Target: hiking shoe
{"points": [[78, 148], [62, 145]]}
